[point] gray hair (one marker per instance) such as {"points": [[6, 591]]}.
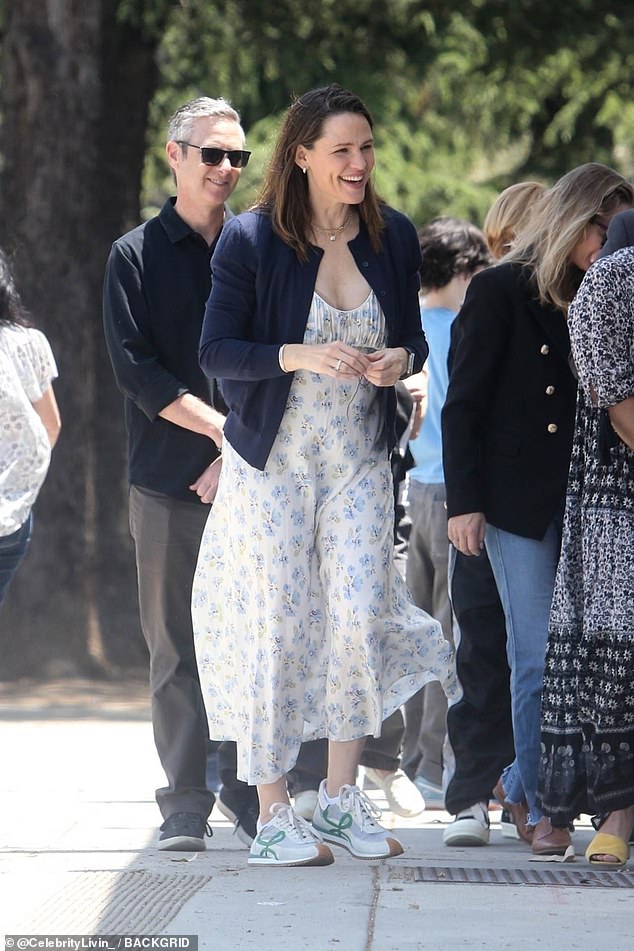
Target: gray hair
{"points": [[181, 124]]}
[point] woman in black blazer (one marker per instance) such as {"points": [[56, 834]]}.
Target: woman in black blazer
{"points": [[507, 435]]}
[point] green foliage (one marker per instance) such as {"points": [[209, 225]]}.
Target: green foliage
{"points": [[468, 97], [147, 17], [258, 54]]}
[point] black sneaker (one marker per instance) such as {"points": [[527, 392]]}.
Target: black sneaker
{"points": [[240, 805], [184, 832]]}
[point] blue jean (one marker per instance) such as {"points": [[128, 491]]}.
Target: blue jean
{"points": [[12, 551], [524, 570]]}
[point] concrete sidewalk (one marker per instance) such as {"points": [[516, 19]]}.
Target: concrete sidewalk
{"points": [[78, 856]]}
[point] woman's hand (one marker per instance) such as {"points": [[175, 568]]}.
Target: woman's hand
{"points": [[466, 532], [387, 366], [336, 359]]}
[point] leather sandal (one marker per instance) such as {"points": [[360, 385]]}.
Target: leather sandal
{"points": [[605, 844], [518, 811], [549, 839]]}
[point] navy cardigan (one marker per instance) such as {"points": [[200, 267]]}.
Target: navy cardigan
{"points": [[260, 298]]}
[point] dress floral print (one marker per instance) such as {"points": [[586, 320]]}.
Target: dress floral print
{"points": [[303, 627], [587, 760]]}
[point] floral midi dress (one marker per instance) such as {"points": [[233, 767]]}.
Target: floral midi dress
{"points": [[303, 627]]}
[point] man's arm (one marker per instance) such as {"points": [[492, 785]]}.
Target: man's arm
{"points": [[138, 371], [191, 413]]}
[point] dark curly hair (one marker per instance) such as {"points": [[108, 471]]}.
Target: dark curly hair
{"points": [[12, 310], [449, 247]]}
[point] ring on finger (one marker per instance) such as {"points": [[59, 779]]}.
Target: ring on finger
{"points": [[338, 367]]}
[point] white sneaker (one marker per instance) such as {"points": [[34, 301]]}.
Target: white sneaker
{"points": [[433, 795], [304, 803], [351, 823], [287, 839], [470, 827], [507, 825], [403, 797]]}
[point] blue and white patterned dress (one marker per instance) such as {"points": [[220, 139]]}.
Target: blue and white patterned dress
{"points": [[587, 745], [303, 626]]}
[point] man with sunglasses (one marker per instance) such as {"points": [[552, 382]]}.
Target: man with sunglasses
{"points": [[157, 282]]}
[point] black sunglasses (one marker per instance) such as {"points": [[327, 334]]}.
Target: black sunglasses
{"points": [[209, 155]]}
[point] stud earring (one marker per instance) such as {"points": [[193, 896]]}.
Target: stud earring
{"points": [[304, 169]]}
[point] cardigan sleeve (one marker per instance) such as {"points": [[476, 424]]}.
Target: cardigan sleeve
{"points": [[227, 350], [406, 261]]}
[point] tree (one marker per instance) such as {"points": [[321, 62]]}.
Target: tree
{"points": [[468, 96], [76, 83]]}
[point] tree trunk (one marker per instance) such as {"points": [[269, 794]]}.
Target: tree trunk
{"points": [[76, 85]]}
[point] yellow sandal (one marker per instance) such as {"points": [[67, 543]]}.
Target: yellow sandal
{"points": [[606, 844]]}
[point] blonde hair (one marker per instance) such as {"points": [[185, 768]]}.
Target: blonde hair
{"points": [[507, 215], [559, 221]]}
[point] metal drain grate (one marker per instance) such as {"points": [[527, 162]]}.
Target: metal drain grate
{"points": [[577, 878]]}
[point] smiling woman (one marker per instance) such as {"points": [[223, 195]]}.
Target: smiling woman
{"points": [[312, 319]]}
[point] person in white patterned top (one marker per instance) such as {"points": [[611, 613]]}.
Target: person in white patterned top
{"points": [[29, 423]]}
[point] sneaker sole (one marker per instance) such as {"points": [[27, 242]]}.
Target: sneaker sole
{"points": [[324, 857], [395, 847], [395, 807], [182, 843], [465, 840], [434, 798], [398, 809], [509, 830], [238, 830], [403, 813], [467, 836]]}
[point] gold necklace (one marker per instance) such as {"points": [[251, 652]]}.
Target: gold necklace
{"points": [[333, 232]]}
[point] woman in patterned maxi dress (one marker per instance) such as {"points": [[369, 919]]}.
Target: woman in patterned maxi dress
{"points": [[303, 626], [587, 762]]}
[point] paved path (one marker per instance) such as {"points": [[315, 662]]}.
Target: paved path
{"points": [[78, 857]]}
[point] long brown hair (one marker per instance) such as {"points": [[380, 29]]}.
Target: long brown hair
{"points": [[558, 222], [285, 189]]}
